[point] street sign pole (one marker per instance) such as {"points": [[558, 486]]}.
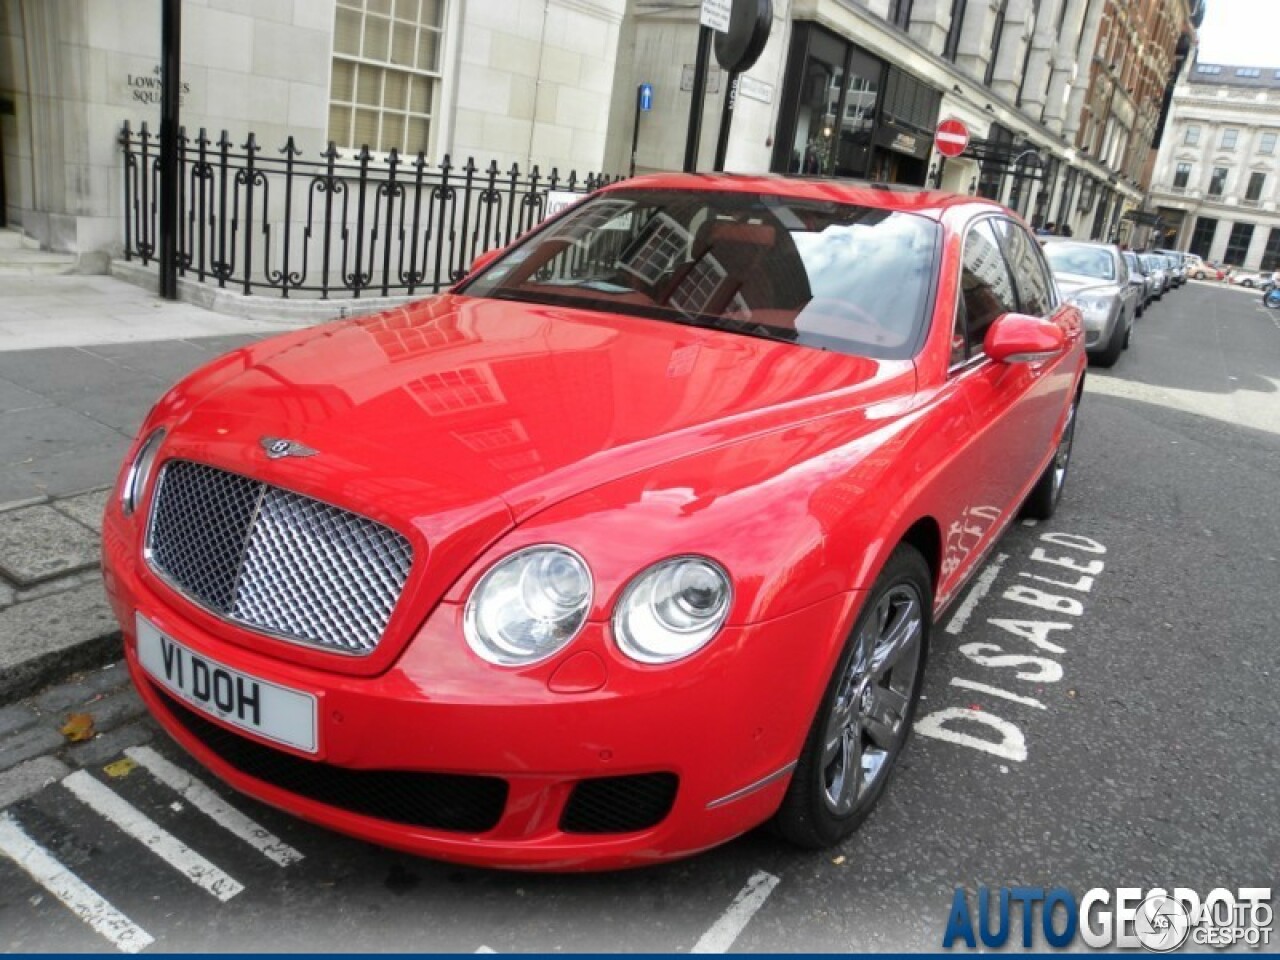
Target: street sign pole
{"points": [[644, 102], [170, 85], [726, 120], [695, 106], [635, 132]]}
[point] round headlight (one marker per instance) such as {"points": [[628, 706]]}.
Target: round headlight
{"points": [[528, 606], [672, 609], [135, 481]]}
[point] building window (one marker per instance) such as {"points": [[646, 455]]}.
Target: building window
{"points": [[1254, 192], [996, 36], [1271, 255], [831, 101], [1208, 68], [386, 67], [1202, 236], [1192, 137], [1238, 244], [1248, 72], [1086, 194], [900, 13], [1229, 137], [1181, 175], [952, 45], [1268, 143], [1218, 182]]}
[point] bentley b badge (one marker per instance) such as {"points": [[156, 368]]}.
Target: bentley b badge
{"points": [[277, 448]]}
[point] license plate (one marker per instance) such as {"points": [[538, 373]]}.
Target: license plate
{"points": [[267, 709]]}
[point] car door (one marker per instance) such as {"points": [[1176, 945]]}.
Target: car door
{"points": [[990, 469], [1037, 404], [1128, 293]]}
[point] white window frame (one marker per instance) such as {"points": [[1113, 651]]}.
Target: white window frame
{"points": [[434, 77]]}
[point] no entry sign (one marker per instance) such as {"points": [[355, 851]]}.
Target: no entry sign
{"points": [[951, 137]]}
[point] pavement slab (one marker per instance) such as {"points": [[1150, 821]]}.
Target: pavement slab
{"points": [[87, 508], [27, 436], [51, 637], [39, 543]]}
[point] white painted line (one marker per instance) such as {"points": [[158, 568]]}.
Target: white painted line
{"points": [[213, 806], [734, 920], [76, 895], [109, 804], [995, 692], [979, 590]]}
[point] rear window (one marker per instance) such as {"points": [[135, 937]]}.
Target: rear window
{"points": [[834, 276], [1080, 259]]}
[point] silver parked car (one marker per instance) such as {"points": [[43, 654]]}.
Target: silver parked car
{"points": [[1178, 265], [1095, 277], [1141, 281], [1156, 267]]}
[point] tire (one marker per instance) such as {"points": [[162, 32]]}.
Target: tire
{"points": [[1115, 346], [1128, 334], [868, 706], [1044, 496]]}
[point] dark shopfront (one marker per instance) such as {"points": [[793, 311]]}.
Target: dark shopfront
{"points": [[846, 113]]}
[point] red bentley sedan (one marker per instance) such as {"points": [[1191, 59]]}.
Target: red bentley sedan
{"points": [[631, 542]]}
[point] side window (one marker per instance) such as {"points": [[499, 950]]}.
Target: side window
{"points": [[986, 290], [1035, 289]]}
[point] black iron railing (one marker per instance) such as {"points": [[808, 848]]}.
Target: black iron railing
{"points": [[339, 227]]}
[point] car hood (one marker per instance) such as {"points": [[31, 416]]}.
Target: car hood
{"points": [[456, 414], [1072, 284]]}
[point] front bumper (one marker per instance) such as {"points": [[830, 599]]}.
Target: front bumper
{"points": [[728, 724]]}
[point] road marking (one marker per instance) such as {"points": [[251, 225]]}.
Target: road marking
{"points": [[75, 894], [213, 806], [109, 804], [977, 687], [734, 920], [979, 590]]}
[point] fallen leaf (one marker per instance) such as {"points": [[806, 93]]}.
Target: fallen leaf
{"points": [[121, 768], [79, 726], [838, 860]]}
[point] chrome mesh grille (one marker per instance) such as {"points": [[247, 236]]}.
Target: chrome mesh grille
{"points": [[276, 561]]}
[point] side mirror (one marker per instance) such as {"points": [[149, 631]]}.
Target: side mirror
{"points": [[1019, 338]]}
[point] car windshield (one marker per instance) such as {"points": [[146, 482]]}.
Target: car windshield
{"points": [[1081, 259], [836, 276]]}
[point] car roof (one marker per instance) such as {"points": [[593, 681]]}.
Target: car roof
{"points": [[884, 196], [1113, 247]]}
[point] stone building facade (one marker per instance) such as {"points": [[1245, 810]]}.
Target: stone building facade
{"points": [[1217, 177], [1063, 99], [517, 81]]}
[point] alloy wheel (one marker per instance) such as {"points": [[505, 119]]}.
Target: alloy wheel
{"points": [[867, 724], [1062, 458]]}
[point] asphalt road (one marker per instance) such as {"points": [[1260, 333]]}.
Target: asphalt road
{"points": [[1139, 748]]}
